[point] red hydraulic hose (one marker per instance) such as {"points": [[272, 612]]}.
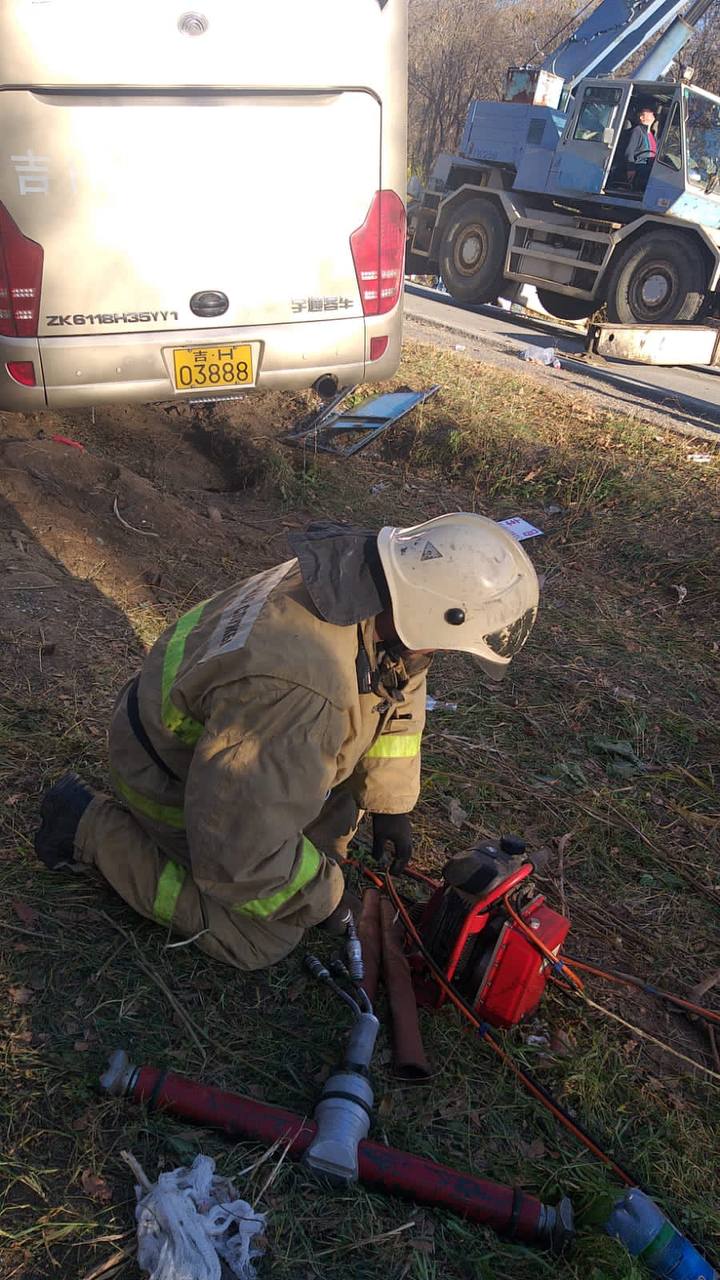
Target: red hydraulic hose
{"points": [[369, 933], [409, 1056], [507, 1210]]}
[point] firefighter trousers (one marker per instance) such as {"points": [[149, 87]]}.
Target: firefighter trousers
{"points": [[143, 863]]}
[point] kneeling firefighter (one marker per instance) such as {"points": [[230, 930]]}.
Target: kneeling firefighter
{"points": [[267, 720]]}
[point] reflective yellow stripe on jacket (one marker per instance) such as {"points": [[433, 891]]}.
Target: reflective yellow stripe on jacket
{"points": [[309, 866], [395, 746], [184, 727]]}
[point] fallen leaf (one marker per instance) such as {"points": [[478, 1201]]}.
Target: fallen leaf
{"points": [[421, 1246], [456, 813], [534, 1150], [24, 1037], [623, 749], [82, 1121], [560, 1043], [81, 1046], [21, 995], [12, 800], [95, 1186], [215, 515]]}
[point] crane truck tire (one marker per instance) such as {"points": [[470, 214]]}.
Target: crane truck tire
{"points": [[659, 279], [472, 251], [564, 307]]}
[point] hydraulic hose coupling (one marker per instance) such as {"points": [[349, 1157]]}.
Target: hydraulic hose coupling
{"points": [[120, 1076], [556, 1226], [345, 1108], [353, 953]]}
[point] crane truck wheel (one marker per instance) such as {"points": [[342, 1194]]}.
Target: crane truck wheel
{"points": [[659, 279], [472, 251], [565, 307]]}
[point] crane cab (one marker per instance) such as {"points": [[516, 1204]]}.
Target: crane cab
{"points": [[593, 157]]}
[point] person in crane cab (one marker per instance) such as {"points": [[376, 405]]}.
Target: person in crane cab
{"points": [[642, 146], [268, 718]]}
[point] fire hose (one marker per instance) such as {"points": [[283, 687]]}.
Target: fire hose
{"points": [[507, 1210]]}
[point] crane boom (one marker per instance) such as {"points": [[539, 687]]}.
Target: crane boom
{"points": [[613, 32]]}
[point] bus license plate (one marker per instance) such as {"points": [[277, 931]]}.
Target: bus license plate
{"points": [[213, 368]]}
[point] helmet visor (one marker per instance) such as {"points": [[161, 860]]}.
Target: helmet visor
{"points": [[510, 640]]}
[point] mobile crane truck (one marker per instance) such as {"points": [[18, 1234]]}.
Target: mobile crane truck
{"points": [[541, 191]]}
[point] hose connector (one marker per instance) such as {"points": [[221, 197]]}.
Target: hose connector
{"points": [[316, 968], [119, 1076], [353, 953]]}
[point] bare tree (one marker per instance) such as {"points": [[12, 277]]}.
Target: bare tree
{"points": [[460, 50], [703, 51]]}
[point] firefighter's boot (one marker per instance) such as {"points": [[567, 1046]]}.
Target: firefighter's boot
{"points": [[61, 809]]}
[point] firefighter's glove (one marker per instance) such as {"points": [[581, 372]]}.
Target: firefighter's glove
{"points": [[338, 920], [392, 829]]}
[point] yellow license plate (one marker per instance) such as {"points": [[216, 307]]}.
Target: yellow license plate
{"points": [[213, 368]]}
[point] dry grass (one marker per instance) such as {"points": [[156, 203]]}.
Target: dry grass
{"points": [[616, 658]]}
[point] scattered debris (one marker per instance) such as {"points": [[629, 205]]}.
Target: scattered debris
{"points": [[320, 416], [520, 529], [71, 444], [192, 1223], [435, 704], [456, 813], [379, 487], [681, 590], [700, 457], [459, 346], [542, 355], [146, 533], [370, 419]]}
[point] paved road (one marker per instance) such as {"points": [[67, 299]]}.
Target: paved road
{"points": [[687, 398]]}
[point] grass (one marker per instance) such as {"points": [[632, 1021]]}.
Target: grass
{"points": [[607, 734]]}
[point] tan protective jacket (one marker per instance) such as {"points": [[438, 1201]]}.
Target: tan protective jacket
{"points": [[253, 701]]}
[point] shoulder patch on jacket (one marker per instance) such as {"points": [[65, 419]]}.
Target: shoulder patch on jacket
{"points": [[241, 613]]}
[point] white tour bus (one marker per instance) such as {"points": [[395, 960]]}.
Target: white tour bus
{"points": [[196, 201]]}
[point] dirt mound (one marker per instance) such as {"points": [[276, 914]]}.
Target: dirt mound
{"points": [[90, 551]]}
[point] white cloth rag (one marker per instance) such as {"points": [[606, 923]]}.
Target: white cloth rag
{"points": [[189, 1220]]}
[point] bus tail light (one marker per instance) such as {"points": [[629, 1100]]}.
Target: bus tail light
{"points": [[21, 269], [378, 250]]}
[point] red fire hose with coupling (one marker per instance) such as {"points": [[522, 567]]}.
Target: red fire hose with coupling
{"points": [[507, 1210]]}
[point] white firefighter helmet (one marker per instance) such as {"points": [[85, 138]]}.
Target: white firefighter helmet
{"points": [[463, 582]]}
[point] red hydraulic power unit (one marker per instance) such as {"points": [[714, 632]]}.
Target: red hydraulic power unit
{"points": [[478, 946]]}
